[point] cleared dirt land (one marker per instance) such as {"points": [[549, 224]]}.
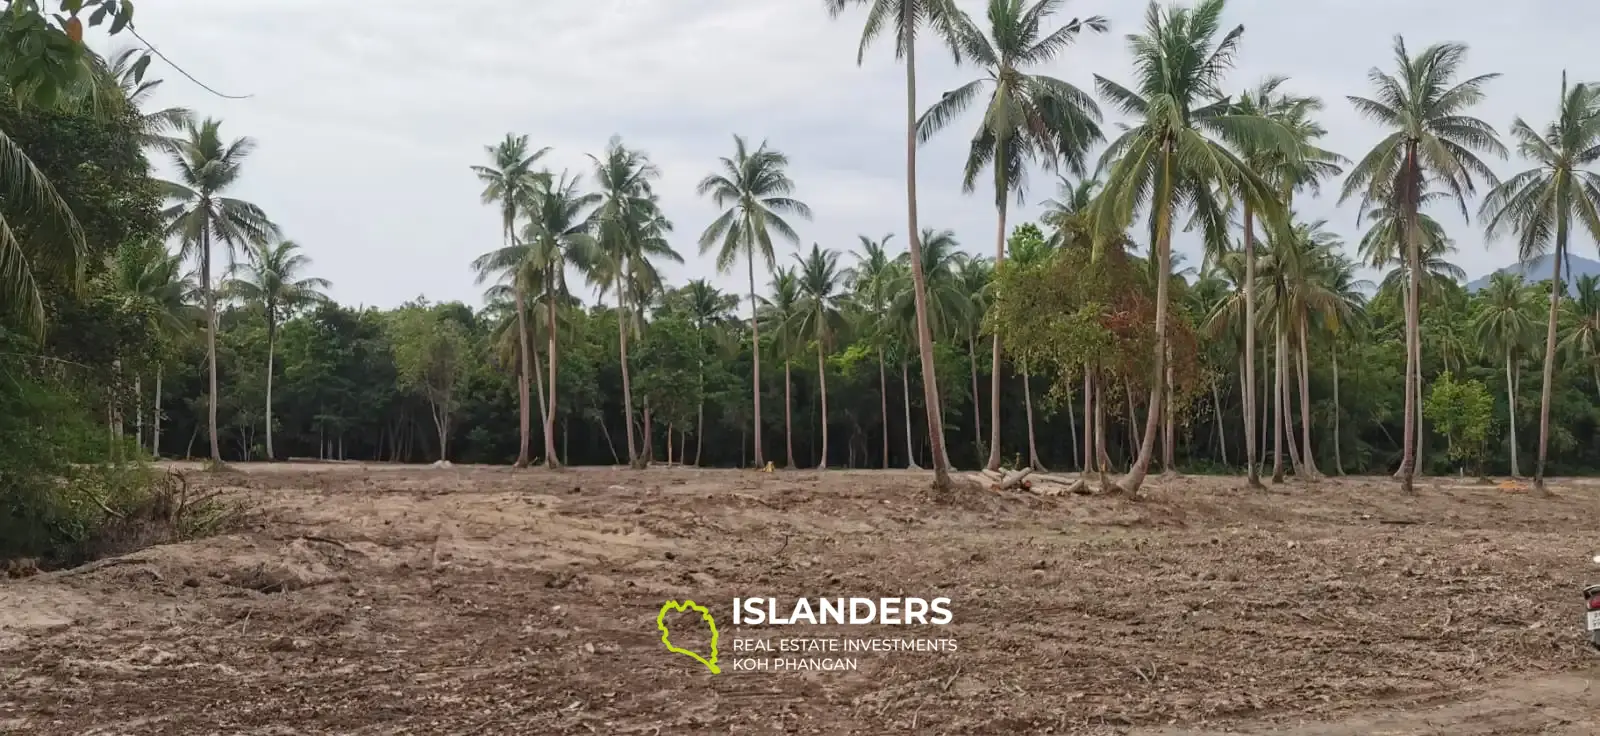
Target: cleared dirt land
{"points": [[380, 600]]}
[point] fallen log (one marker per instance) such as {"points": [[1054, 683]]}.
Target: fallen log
{"points": [[1013, 479]]}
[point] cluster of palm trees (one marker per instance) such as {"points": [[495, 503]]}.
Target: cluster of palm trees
{"points": [[199, 214], [1193, 155]]}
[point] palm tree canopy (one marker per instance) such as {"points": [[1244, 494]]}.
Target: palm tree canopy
{"points": [[1029, 118], [206, 167], [1424, 108], [1177, 145], [1560, 188], [270, 278], [755, 188]]}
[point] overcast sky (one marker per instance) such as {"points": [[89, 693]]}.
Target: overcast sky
{"points": [[368, 115]]}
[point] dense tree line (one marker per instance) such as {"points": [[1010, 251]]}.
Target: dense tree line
{"points": [[173, 318]]}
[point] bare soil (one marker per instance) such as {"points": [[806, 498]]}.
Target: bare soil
{"points": [[387, 600]]}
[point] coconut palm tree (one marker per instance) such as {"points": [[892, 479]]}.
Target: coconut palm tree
{"points": [[1174, 156], [1349, 316], [1505, 327], [1027, 253], [1542, 204], [820, 280], [709, 310], [146, 273], [508, 183], [558, 234], [783, 314], [1302, 165], [874, 281], [1029, 119], [905, 19], [975, 275], [629, 230], [1431, 141], [1067, 215], [200, 215], [946, 304], [270, 279], [755, 188]]}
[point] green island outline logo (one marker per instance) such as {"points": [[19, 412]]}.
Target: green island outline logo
{"points": [[688, 605]]}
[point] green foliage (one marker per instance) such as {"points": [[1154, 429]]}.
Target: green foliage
{"points": [[666, 371], [1464, 412], [45, 60]]}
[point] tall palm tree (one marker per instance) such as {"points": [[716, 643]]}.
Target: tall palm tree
{"points": [[508, 182], [270, 279], [975, 275], [1541, 205], [1505, 327], [873, 279], [1029, 119], [1301, 165], [783, 314], [629, 230], [905, 19], [148, 274], [820, 279], [558, 234], [1432, 140], [1173, 157], [755, 188], [709, 309], [200, 215]]}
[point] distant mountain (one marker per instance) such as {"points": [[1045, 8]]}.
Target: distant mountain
{"points": [[1539, 270]]}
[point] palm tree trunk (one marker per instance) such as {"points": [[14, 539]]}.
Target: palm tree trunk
{"points": [[977, 406], [1169, 449], [1102, 456], [155, 417], [1088, 419], [919, 282], [1072, 426], [271, 346], [1277, 401], [1027, 401], [1296, 463], [211, 342], [1000, 191], [550, 460], [627, 383], [1222, 428], [1248, 378], [788, 423], [524, 367], [911, 453], [1511, 396], [822, 379], [1411, 185], [138, 410], [1245, 388], [1550, 356], [1307, 458], [755, 369], [1163, 251], [1338, 458], [883, 399]]}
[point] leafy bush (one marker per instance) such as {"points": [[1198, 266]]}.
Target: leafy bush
{"points": [[63, 498]]}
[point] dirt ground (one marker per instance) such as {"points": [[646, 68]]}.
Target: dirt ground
{"points": [[385, 600]]}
